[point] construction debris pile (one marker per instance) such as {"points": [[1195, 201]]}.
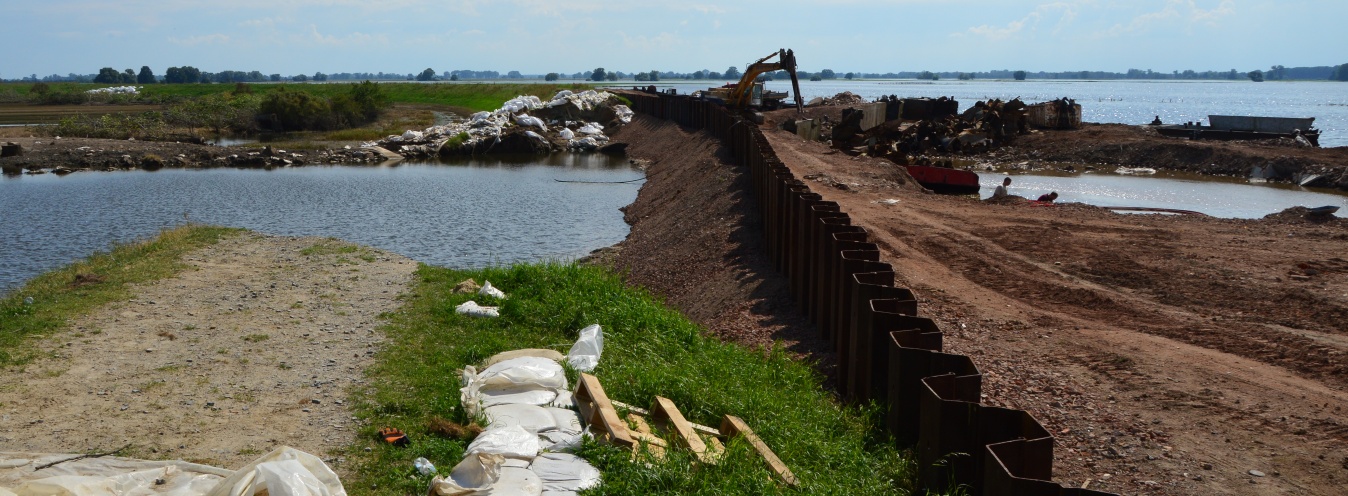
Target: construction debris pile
{"points": [[984, 126], [525, 124]]}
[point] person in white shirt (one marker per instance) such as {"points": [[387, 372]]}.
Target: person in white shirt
{"points": [[1000, 192]]}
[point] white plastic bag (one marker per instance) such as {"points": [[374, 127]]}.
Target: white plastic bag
{"points": [[584, 355], [624, 114], [567, 134], [472, 309], [591, 128], [531, 417], [283, 472], [476, 472], [526, 370], [489, 290], [510, 442]]}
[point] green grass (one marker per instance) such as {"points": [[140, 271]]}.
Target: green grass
{"points": [[473, 96], [57, 300], [649, 350]]}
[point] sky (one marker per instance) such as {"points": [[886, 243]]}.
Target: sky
{"points": [[566, 36]]}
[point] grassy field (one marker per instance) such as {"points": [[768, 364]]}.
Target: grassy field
{"points": [[76, 289], [649, 350], [473, 96]]}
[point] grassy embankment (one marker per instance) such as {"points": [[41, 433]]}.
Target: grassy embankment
{"points": [[649, 350], [414, 104], [58, 296]]}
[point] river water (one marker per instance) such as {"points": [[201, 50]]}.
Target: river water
{"points": [[1121, 102], [465, 214]]}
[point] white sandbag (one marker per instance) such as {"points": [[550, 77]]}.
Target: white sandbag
{"points": [[565, 472], [472, 309], [532, 418], [591, 128], [510, 442], [476, 472], [410, 135], [524, 370], [564, 400], [565, 420], [586, 144], [584, 354], [522, 103], [522, 395], [283, 472], [567, 134], [526, 120], [624, 114], [553, 355], [487, 288]]}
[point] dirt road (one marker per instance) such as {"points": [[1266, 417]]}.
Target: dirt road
{"points": [[253, 347], [1168, 355]]}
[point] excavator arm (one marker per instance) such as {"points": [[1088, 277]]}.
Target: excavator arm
{"points": [[786, 60]]}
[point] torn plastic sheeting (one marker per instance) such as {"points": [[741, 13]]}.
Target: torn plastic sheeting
{"points": [[584, 354], [565, 472], [489, 290], [527, 120], [472, 309], [476, 472], [510, 442]]}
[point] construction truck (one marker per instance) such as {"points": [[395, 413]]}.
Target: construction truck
{"points": [[750, 93]]}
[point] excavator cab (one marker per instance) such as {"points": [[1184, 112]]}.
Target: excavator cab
{"points": [[748, 93]]}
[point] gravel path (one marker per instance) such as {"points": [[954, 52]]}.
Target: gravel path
{"points": [[254, 346]]}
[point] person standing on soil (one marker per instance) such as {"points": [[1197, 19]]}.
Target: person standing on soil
{"points": [[1049, 197], [1000, 192]]}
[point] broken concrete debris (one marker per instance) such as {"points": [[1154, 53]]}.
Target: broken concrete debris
{"points": [[524, 124]]}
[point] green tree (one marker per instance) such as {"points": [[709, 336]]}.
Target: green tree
{"points": [[552, 76], [926, 75], [1340, 73], [828, 74], [1256, 76], [732, 73], [849, 76], [426, 75], [642, 76], [1277, 73], [612, 76], [146, 75], [108, 75], [1018, 75], [653, 76], [318, 76], [453, 77], [598, 74]]}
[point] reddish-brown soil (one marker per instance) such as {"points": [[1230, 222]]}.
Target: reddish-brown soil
{"points": [[1168, 355]]}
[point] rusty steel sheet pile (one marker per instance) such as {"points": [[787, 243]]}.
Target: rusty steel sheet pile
{"points": [[887, 352]]}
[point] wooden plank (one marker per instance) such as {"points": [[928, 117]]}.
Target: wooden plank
{"points": [[598, 411], [732, 426], [667, 415], [642, 411]]}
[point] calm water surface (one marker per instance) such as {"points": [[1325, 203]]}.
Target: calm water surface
{"points": [[463, 215], [1218, 197]]}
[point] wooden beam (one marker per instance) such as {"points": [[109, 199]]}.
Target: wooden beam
{"points": [[598, 411], [732, 426], [667, 415]]}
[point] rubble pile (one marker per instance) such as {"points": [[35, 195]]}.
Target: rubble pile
{"points": [[844, 98], [983, 127], [524, 124]]}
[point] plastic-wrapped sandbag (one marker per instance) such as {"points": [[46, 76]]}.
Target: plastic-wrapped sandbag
{"points": [[522, 103], [472, 309], [489, 290], [567, 134], [532, 418], [510, 442], [283, 472], [591, 128], [513, 395], [527, 120], [553, 355], [411, 135], [624, 114], [476, 472], [524, 370], [586, 144], [584, 354], [565, 472]]}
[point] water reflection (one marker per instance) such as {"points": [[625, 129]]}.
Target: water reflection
{"points": [[1218, 197], [464, 213]]}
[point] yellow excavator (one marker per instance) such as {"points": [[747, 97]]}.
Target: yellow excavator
{"points": [[747, 92]]}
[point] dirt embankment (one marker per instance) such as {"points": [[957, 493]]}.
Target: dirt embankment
{"points": [[255, 346], [1168, 355]]}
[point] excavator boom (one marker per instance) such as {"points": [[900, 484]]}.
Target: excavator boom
{"points": [[786, 60]]}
